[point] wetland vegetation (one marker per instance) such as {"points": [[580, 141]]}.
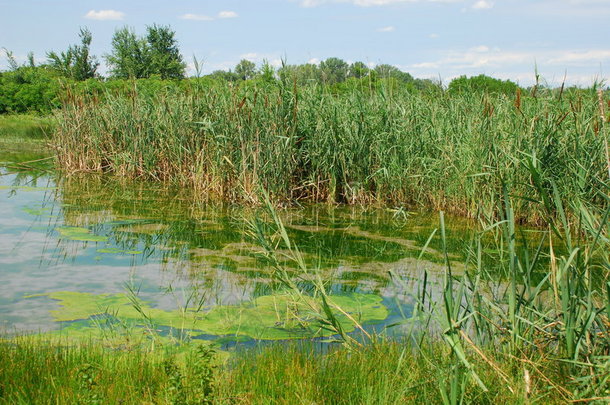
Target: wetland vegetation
{"points": [[281, 237]]}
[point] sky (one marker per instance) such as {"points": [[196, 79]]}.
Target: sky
{"points": [[440, 39]]}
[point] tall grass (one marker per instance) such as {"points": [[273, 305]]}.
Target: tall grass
{"points": [[538, 332], [430, 148], [36, 371]]}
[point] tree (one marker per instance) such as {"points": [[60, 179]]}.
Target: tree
{"points": [[136, 57], [245, 69], [385, 71], [164, 57], [303, 74], [77, 62], [129, 55], [223, 75], [334, 70], [358, 70], [28, 87], [267, 72], [482, 83]]}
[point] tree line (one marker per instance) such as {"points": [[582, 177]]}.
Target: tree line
{"points": [[156, 54]]}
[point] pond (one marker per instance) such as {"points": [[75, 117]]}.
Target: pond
{"points": [[80, 255]]}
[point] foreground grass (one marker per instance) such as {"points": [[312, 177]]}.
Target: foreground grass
{"points": [[36, 371], [380, 373]]}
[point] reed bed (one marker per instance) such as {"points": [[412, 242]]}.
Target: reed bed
{"points": [[365, 146]]}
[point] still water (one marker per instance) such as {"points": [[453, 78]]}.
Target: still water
{"points": [[82, 253]]}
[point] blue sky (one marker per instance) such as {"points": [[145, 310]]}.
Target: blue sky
{"points": [[428, 38]]}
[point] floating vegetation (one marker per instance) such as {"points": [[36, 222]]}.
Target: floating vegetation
{"points": [[36, 211], [117, 250], [149, 229], [270, 317], [79, 234]]}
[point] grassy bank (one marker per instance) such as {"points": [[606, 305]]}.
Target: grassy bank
{"points": [[383, 145], [25, 127], [380, 373]]}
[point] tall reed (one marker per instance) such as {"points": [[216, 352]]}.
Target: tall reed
{"points": [[442, 151]]}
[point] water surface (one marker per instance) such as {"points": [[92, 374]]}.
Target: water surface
{"points": [[64, 242]]}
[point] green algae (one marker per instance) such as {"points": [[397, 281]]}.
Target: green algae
{"points": [[36, 211], [270, 317], [79, 234], [148, 229], [119, 251], [27, 188]]}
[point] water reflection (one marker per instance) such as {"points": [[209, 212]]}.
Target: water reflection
{"points": [[96, 235]]}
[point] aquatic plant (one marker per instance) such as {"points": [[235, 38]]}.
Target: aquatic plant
{"points": [[437, 150]]}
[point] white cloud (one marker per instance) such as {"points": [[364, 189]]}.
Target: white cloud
{"points": [[370, 3], [425, 65], [203, 17], [389, 28], [104, 15], [433, 36], [227, 14], [480, 48], [314, 61], [250, 56], [196, 17], [483, 5], [588, 57], [483, 59]]}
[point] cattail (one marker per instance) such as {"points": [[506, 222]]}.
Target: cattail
{"points": [[518, 99]]}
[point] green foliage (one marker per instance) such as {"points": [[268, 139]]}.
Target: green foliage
{"points": [[385, 71], [482, 83], [76, 63], [303, 74], [267, 72], [155, 54], [164, 57], [245, 69], [333, 70], [358, 70], [128, 58], [29, 89]]}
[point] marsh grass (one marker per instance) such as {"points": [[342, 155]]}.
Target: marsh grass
{"points": [[25, 127], [527, 335], [370, 146], [42, 371]]}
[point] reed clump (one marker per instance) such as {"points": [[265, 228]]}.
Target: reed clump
{"points": [[373, 146]]}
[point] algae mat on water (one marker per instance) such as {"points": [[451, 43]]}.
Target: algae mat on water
{"points": [[79, 234], [270, 317]]}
